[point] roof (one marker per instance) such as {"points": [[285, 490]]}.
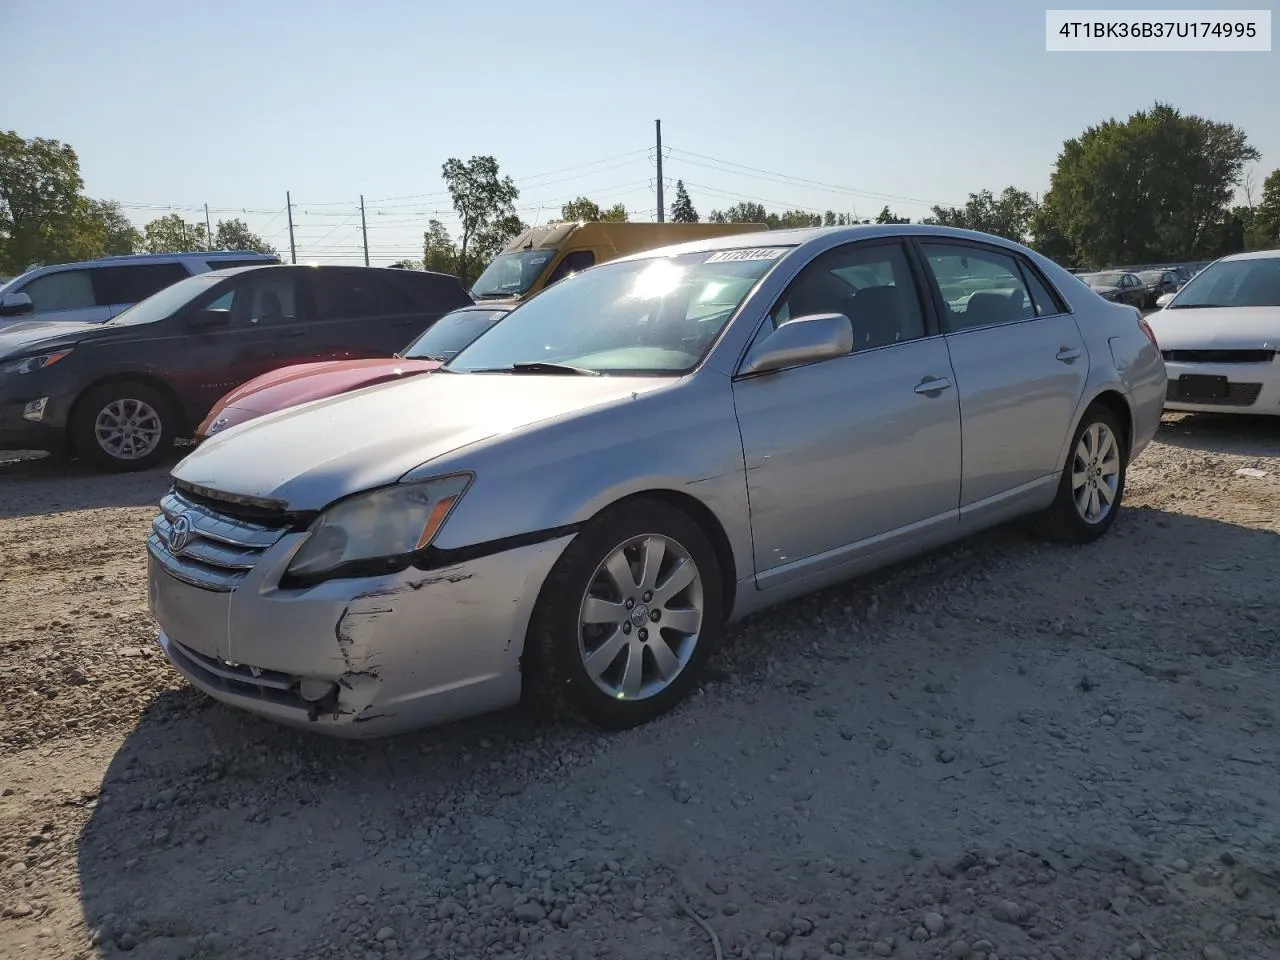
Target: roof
{"points": [[1253, 255], [796, 238]]}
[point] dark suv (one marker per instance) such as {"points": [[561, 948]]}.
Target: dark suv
{"points": [[119, 393]]}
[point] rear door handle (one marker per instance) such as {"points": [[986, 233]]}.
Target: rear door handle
{"points": [[1067, 354], [932, 386]]}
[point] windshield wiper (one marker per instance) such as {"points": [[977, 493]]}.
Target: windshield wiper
{"points": [[493, 296], [540, 366]]}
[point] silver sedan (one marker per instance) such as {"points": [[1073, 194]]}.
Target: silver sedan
{"points": [[580, 501]]}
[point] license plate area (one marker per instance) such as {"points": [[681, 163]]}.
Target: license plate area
{"points": [[1199, 386]]}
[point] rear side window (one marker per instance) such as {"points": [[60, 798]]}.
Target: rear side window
{"points": [[133, 284], [352, 295], [429, 292], [1047, 303], [980, 287], [64, 290]]}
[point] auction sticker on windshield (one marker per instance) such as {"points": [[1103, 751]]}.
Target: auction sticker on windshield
{"points": [[764, 253]]}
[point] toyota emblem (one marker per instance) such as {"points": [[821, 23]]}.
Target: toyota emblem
{"points": [[179, 534]]}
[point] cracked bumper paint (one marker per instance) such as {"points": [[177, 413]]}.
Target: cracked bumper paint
{"points": [[396, 653]]}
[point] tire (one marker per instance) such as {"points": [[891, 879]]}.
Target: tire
{"points": [[148, 431], [610, 694], [1068, 520]]}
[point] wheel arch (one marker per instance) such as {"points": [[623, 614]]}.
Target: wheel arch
{"points": [[1114, 400], [146, 379]]}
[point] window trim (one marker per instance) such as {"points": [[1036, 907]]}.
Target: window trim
{"points": [[1020, 261], [932, 326]]}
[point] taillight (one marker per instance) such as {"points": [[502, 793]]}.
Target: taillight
{"points": [[1147, 331]]}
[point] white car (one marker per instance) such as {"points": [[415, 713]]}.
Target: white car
{"points": [[1220, 337], [94, 291]]}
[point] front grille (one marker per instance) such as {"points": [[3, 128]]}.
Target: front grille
{"points": [[213, 550], [1238, 395], [1219, 356]]}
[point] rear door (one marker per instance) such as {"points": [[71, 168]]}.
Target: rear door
{"points": [[119, 288], [1019, 361], [356, 316]]}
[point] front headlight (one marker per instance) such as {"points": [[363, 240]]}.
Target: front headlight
{"points": [[31, 364], [377, 532]]}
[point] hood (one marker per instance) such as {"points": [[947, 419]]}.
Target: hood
{"points": [[1216, 328], [304, 382], [309, 456], [27, 336]]}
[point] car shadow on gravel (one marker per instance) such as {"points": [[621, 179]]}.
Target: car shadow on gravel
{"points": [[216, 834], [1247, 436], [38, 486]]}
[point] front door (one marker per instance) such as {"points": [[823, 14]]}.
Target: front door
{"points": [[844, 451], [1020, 365]]}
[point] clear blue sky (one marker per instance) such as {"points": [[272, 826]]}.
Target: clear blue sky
{"points": [[232, 103]]}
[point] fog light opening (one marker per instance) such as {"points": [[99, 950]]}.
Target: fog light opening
{"points": [[312, 689], [34, 411]]}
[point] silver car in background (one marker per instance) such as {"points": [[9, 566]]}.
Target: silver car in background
{"points": [[575, 505]]}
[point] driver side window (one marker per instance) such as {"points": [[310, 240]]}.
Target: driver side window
{"points": [[870, 283]]}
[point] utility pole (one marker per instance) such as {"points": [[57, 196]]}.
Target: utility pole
{"points": [[364, 231], [657, 124], [208, 230], [293, 251]]}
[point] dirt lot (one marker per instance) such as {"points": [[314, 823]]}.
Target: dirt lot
{"points": [[1008, 750]]}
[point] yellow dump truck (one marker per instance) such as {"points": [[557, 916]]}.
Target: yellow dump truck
{"points": [[540, 256]]}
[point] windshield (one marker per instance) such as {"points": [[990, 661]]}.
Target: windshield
{"points": [[451, 333], [1103, 279], [511, 274], [168, 301], [1233, 283], [657, 316]]}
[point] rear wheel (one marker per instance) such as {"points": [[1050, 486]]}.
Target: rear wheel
{"points": [[123, 426], [628, 617], [1092, 482]]}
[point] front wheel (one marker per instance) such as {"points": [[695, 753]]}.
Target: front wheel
{"points": [[123, 426], [1092, 481], [628, 616]]}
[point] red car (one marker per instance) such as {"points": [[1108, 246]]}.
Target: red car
{"points": [[301, 383]]}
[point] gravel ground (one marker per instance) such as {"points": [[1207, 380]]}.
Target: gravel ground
{"points": [[1008, 750]]}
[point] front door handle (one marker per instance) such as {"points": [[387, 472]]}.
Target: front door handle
{"points": [[1068, 354], [290, 333], [932, 386]]}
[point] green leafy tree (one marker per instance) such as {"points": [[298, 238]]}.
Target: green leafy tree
{"points": [[747, 212], [1151, 187], [615, 214], [236, 235], [407, 265], [682, 210], [1009, 215], [585, 210], [833, 219], [488, 243], [438, 251], [790, 219], [887, 216], [485, 204], [172, 234], [119, 236], [44, 216], [1264, 228]]}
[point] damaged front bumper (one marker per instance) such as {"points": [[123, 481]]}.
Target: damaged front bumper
{"points": [[359, 657]]}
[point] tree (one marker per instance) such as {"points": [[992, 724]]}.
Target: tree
{"points": [[119, 236], [1009, 215], [236, 235], [584, 210], [407, 265], [172, 234], [792, 219], [438, 252], [1148, 188], [747, 212], [1264, 230], [488, 243], [485, 203], [833, 219], [44, 217], [682, 208], [887, 216]]}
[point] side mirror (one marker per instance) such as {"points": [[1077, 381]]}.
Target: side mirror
{"points": [[210, 320], [15, 305], [1164, 300], [820, 336]]}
